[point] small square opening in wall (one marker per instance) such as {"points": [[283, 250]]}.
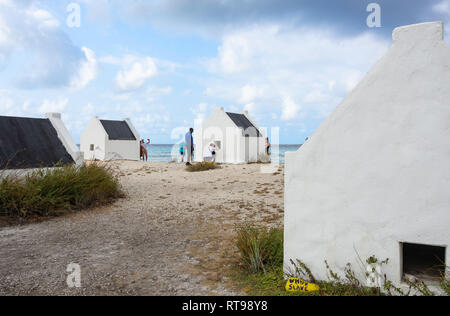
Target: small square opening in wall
{"points": [[424, 262], [92, 147]]}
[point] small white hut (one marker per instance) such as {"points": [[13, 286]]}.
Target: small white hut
{"points": [[237, 136], [29, 143], [374, 179], [110, 140]]}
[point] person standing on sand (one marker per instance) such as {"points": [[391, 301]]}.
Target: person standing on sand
{"points": [[189, 140], [144, 150], [267, 146], [182, 149], [209, 154], [147, 148]]}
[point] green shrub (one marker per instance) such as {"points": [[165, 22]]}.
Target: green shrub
{"points": [[259, 248], [50, 192], [202, 166]]}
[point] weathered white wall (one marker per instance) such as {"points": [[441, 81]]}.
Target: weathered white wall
{"points": [[94, 134], [220, 127], [105, 149], [122, 150], [377, 171], [214, 129], [65, 137]]}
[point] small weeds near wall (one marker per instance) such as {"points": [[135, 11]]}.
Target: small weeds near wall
{"points": [[259, 271], [52, 192]]}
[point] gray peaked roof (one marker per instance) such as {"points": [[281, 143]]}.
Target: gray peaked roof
{"points": [[249, 130], [30, 143], [118, 130]]}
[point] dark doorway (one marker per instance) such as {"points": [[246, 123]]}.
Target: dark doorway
{"points": [[425, 262]]}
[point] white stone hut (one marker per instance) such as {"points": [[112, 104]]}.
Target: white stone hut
{"points": [[374, 179], [106, 140], [237, 136]]}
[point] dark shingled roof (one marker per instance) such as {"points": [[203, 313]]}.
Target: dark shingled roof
{"points": [[118, 130], [249, 130], [30, 143]]}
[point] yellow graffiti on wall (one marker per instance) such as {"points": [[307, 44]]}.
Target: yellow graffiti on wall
{"points": [[297, 285]]}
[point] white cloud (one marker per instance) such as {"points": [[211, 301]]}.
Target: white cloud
{"points": [[234, 54], [135, 71], [443, 8], [88, 70], [153, 121], [250, 93], [6, 101], [292, 73], [47, 56], [53, 106], [46, 21], [200, 111], [290, 109], [12, 105], [153, 92], [98, 11]]}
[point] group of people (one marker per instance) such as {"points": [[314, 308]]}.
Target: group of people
{"points": [[187, 149]]}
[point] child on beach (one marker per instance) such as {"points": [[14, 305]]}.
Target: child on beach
{"points": [[182, 149]]}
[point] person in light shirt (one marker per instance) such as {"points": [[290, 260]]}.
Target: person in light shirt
{"points": [[147, 148], [143, 151], [209, 154], [189, 140]]}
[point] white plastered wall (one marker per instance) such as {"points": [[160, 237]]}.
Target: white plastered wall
{"points": [[124, 149], [105, 149], [220, 127], [94, 134], [377, 172], [65, 137]]}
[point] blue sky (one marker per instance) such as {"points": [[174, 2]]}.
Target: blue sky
{"points": [[167, 63]]}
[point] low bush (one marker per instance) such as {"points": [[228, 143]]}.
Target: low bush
{"points": [[202, 166], [51, 192], [260, 249]]}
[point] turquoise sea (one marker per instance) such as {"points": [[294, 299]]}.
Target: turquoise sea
{"points": [[166, 153]]}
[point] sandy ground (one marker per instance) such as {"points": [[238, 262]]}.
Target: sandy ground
{"points": [[171, 235]]}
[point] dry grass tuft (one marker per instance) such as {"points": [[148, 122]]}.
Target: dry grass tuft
{"points": [[202, 166]]}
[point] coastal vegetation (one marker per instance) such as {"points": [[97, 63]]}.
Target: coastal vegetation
{"points": [[259, 271], [56, 191], [202, 166]]}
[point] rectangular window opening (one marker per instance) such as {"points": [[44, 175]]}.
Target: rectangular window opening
{"points": [[423, 262]]}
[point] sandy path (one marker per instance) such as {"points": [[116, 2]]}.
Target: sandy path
{"points": [[171, 235]]}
